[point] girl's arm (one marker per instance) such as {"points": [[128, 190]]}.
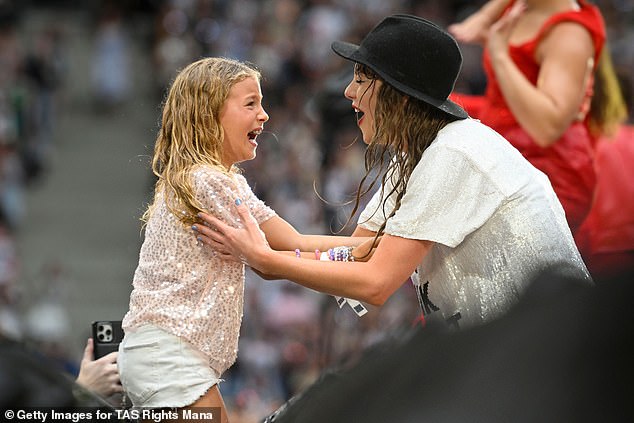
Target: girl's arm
{"points": [[282, 236], [547, 109], [373, 281]]}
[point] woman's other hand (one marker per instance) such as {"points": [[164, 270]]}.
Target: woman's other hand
{"points": [[244, 244]]}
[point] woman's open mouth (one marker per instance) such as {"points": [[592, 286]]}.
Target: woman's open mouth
{"points": [[359, 114]]}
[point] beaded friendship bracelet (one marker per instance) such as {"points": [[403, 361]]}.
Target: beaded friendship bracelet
{"points": [[298, 254], [341, 254]]}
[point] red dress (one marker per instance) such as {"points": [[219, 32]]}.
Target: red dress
{"points": [[568, 163], [607, 236]]}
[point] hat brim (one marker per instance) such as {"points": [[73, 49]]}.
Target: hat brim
{"points": [[350, 52]]}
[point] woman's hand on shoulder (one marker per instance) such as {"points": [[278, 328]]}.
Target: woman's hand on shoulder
{"points": [[247, 244]]}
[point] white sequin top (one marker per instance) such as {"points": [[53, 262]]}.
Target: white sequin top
{"points": [[494, 218], [181, 286]]}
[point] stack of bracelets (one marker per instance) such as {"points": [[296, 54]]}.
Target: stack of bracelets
{"points": [[340, 254], [333, 254]]}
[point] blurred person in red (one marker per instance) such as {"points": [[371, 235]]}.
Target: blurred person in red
{"points": [[540, 58], [606, 237], [535, 78]]}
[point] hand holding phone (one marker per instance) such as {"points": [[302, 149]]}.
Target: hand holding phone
{"points": [[106, 335], [101, 376]]}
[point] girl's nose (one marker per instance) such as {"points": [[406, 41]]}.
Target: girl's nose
{"points": [[263, 115]]}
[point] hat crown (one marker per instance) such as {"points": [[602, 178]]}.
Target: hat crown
{"points": [[414, 52], [413, 55]]}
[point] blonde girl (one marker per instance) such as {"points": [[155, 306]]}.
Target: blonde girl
{"points": [[182, 328]]}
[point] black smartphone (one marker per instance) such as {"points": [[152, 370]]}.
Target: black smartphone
{"points": [[106, 336]]}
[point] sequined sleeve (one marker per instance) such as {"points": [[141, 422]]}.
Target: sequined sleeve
{"points": [[218, 191]]}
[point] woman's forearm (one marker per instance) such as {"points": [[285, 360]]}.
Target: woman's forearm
{"points": [[492, 9], [373, 281], [547, 108], [346, 279], [534, 111], [474, 28]]}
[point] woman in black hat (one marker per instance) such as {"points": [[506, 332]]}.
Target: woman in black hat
{"points": [[459, 210]]}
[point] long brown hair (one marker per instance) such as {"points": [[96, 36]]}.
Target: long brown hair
{"points": [[404, 128], [191, 133]]}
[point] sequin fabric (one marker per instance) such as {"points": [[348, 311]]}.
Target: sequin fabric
{"points": [[495, 220], [181, 286]]}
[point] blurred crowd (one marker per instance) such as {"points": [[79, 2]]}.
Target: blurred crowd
{"points": [[309, 162], [32, 75]]}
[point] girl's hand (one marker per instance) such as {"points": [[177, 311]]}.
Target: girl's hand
{"points": [[364, 252], [246, 244]]}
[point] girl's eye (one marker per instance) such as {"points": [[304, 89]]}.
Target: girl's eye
{"points": [[359, 81]]}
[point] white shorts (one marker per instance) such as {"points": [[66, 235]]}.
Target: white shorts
{"points": [[161, 370]]}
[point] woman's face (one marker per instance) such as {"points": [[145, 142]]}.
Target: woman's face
{"points": [[242, 118], [363, 91]]}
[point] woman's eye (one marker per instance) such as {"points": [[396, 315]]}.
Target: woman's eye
{"points": [[359, 81]]}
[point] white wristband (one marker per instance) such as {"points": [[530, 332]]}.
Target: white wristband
{"points": [[356, 306]]}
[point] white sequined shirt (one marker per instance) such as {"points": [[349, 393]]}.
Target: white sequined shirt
{"points": [[181, 286], [494, 219]]}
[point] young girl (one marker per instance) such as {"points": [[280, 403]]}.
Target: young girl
{"points": [[181, 332], [460, 210]]}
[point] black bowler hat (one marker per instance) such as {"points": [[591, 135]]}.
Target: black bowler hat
{"points": [[413, 55]]}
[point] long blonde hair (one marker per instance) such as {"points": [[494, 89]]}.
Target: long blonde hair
{"points": [[608, 109], [191, 133]]}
